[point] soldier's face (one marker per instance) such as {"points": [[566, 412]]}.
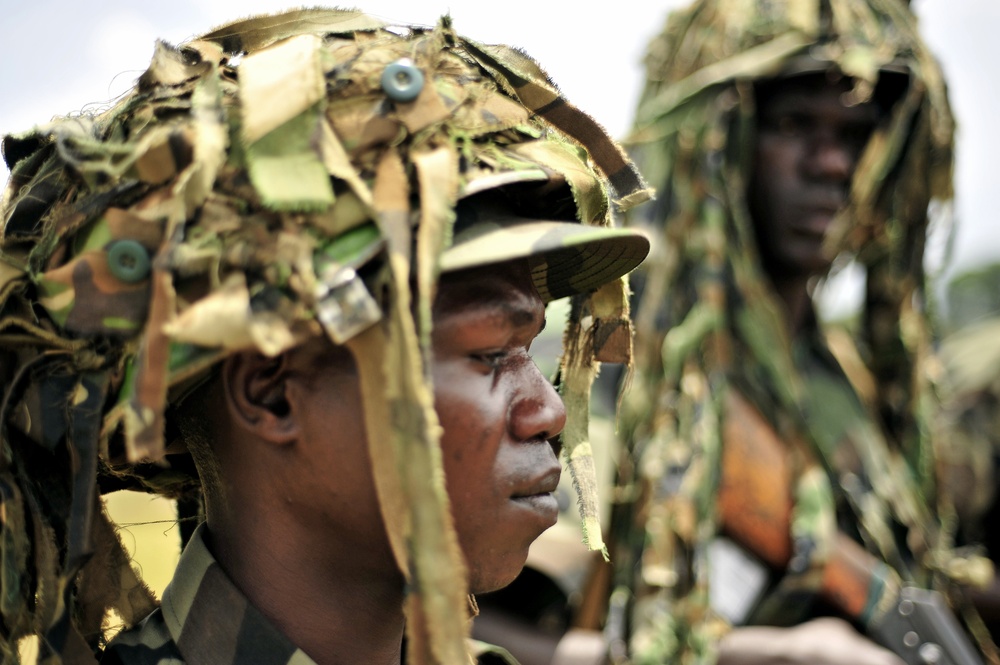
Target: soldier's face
{"points": [[808, 145], [498, 413]]}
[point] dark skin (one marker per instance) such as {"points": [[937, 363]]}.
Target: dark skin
{"points": [[808, 144], [297, 525], [809, 141]]}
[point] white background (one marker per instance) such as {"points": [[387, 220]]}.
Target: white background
{"points": [[58, 57]]}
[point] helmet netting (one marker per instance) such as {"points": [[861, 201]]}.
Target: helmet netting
{"points": [[278, 194]]}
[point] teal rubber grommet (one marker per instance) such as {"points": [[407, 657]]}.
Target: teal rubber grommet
{"points": [[402, 81], [129, 261]]}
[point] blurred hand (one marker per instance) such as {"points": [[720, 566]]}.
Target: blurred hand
{"points": [[825, 641], [581, 647]]}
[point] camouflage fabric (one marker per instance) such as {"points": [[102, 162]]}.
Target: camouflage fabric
{"points": [[277, 178], [969, 423], [204, 619], [710, 324]]}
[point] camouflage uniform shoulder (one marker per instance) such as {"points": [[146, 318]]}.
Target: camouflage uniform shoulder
{"points": [[203, 618], [149, 643]]}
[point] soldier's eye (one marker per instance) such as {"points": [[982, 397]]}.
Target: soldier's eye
{"points": [[491, 360], [792, 125]]}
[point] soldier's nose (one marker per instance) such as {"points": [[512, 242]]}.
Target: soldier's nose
{"points": [[830, 157], [537, 412]]}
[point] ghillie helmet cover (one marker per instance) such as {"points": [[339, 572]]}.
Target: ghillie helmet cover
{"points": [[278, 178]]}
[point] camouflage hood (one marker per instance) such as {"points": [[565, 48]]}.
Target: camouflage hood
{"points": [[260, 185], [698, 100], [709, 319], [694, 138]]}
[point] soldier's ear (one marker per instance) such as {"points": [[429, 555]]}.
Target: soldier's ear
{"points": [[255, 387]]}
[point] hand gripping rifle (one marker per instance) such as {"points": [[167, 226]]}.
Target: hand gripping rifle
{"points": [[755, 505]]}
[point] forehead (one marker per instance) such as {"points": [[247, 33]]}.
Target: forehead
{"points": [[504, 288]]}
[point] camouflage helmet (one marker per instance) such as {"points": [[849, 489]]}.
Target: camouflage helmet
{"points": [[278, 178], [694, 137], [699, 71]]}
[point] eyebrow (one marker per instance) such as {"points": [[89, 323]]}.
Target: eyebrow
{"points": [[518, 315], [505, 311]]}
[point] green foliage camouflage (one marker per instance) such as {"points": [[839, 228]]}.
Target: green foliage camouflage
{"points": [[708, 320], [278, 193]]}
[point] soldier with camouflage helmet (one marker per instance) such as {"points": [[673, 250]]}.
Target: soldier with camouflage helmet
{"points": [[759, 450], [309, 251]]}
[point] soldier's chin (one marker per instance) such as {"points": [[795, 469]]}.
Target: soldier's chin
{"points": [[481, 581]]}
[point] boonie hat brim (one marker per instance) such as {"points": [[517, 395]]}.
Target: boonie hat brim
{"points": [[566, 258]]}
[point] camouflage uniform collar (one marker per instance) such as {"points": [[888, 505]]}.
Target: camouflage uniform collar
{"points": [[210, 620]]}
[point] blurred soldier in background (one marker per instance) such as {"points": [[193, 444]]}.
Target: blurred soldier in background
{"points": [[779, 491], [309, 251]]}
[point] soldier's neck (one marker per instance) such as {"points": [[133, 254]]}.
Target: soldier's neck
{"points": [[793, 292], [337, 612]]}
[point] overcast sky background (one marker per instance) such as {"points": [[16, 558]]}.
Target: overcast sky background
{"points": [[58, 57]]}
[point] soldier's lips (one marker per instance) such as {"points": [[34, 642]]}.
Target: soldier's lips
{"points": [[538, 496], [544, 506], [816, 218]]}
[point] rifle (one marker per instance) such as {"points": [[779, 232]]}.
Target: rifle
{"points": [[755, 506]]}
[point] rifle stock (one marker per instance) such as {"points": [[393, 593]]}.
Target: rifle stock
{"points": [[755, 504]]}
